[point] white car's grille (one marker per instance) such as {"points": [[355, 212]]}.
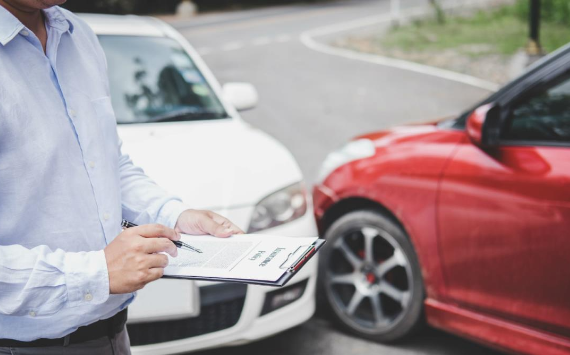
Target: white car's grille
{"points": [[220, 308]]}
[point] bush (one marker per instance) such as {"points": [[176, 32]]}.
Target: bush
{"points": [[101, 6], [122, 6], [557, 11], [164, 6]]}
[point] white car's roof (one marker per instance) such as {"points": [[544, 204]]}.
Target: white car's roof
{"points": [[123, 25]]}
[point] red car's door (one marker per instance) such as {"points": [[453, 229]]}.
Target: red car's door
{"points": [[504, 215]]}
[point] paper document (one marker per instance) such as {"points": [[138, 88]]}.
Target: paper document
{"points": [[248, 257]]}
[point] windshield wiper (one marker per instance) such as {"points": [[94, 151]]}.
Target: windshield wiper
{"points": [[187, 115]]}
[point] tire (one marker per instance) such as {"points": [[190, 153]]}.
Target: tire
{"points": [[376, 295]]}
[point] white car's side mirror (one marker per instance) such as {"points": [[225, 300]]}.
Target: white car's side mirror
{"points": [[243, 96]]}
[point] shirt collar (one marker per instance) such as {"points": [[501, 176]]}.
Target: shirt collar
{"points": [[56, 18], [10, 26]]}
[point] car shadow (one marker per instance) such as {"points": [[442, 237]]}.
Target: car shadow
{"points": [[319, 336]]}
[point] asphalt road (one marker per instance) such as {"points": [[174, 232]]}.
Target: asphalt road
{"points": [[319, 337], [313, 102]]}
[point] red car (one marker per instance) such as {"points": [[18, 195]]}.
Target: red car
{"points": [[464, 223]]}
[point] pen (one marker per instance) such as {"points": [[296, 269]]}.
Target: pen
{"points": [[179, 244]]}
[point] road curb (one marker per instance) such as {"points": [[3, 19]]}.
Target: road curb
{"points": [[308, 38]]}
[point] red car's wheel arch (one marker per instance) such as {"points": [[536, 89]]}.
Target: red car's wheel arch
{"points": [[401, 181], [340, 207]]}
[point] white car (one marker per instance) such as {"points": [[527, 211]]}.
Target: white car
{"points": [[183, 129]]}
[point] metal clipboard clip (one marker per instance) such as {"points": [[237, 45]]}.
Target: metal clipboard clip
{"points": [[282, 267], [311, 249]]}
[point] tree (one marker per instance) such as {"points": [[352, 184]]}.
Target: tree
{"points": [[439, 13]]}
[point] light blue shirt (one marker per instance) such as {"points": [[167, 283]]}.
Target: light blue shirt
{"points": [[64, 183]]}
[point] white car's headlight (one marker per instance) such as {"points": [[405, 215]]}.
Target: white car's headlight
{"points": [[280, 207], [354, 150]]}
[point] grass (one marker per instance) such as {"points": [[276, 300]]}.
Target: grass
{"points": [[492, 32]]}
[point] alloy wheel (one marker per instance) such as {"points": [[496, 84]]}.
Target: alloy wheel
{"points": [[368, 279]]}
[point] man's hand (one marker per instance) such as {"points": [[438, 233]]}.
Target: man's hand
{"points": [[205, 222], [132, 259]]}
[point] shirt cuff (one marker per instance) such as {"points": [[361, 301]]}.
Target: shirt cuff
{"points": [[170, 212], [87, 278]]}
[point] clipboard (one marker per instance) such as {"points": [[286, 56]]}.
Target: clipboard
{"points": [[288, 274]]}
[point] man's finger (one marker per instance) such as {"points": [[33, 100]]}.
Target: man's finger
{"points": [[155, 274], [156, 231], [158, 245], [210, 226], [227, 224], [157, 261]]}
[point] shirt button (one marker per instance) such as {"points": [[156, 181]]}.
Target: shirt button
{"points": [[25, 33], [72, 113], [106, 216], [88, 297], [32, 314], [92, 164]]}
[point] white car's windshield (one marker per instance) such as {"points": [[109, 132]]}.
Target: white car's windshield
{"points": [[154, 80]]}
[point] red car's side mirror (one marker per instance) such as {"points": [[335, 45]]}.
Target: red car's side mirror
{"points": [[483, 125]]}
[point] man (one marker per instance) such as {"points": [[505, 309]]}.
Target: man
{"points": [[67, 271]]}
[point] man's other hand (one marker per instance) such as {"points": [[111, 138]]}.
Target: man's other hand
{"points": [[133, 259], [205, 222]]}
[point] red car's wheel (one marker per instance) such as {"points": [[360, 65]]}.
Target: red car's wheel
{"points": [[370, 277]]}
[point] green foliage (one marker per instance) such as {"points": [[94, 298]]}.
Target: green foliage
{"points": [[500, 31], [556, 11], [102, 6], [164, 6]]}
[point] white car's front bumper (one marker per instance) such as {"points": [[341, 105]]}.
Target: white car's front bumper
{"points": [[251, 325]]}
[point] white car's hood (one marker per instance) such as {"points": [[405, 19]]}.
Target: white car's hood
{"points": [[214, 164]]}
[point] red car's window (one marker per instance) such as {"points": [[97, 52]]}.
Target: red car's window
{"points": [[542, 117]]}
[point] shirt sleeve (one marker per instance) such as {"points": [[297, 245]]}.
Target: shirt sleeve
{"points": [[143, 201], [39, 282]]}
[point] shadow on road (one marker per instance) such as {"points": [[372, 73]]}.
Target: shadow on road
{"points": [[318, 336]]}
